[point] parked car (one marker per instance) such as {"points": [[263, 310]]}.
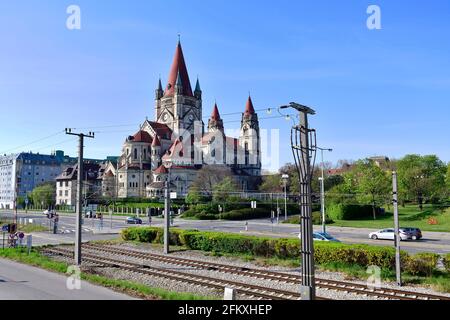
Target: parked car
{"points": [[133, 220], [320, 236], [416, 233], [388, 234]]}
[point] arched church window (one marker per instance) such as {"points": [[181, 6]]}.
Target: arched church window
{"points": [[213, 153], [135, 153]]}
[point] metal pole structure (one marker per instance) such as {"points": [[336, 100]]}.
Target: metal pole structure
{"points": [[79, 208], [396, 225], [303, 142], [285, 178], [167, 210], [322, 191]]}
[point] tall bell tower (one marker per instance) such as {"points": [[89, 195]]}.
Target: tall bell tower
{"points": [[249, 140], [177, 106]]}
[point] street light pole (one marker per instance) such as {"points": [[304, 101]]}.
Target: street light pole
{"points": [[322, 191], [396, 225], [285, 178], [167, 165]]}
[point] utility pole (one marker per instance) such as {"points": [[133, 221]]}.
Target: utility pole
{"points": [[322, 191], [303, 143], [167, 165], [285, 178], [79, 191], [396, 225]]}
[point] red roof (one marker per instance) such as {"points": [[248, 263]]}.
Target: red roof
{"points": [[161, 129], [161, 169], [249, 107], [142, 136], [215, 114], [178, 66], [156, 142]]}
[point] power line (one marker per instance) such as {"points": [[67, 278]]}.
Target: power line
{"points": [[33, 142]]}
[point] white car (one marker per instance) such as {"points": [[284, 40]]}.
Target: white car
{"points": [[388, 234]]}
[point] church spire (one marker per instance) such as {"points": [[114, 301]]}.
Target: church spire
{"points": [[179, 69], [159, 91], [249, 110], [198, 90], [215, 122]]}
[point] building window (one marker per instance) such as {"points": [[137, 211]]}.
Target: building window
{"points": [[135, 153]]}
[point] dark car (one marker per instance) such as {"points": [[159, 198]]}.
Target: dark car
{"points": [[133, 220], [415, 233]]}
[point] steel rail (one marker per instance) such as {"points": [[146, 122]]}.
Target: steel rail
{"points": [[274, 276]]}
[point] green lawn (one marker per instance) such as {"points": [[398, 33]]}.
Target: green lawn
{"points": [[410, 216]]}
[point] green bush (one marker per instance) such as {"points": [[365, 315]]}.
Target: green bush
{"points": [[339, 211], [422, 264], [362, 255], [247, 213], [447, 262]]}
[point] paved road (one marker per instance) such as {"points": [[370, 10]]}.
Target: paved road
{"points": [[438, 242], [22, 282]]}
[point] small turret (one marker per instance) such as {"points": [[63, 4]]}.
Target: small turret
{"points": [[198, 91], [159, 92], [215, 123]]}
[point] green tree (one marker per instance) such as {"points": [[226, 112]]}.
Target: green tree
{"points": [[447, 181], [346, 191], [421, 177], [224, 189], [194, 196], [373, 183], [44, 194], [271, 183]]}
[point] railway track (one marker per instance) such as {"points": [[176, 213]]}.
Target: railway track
{"points": [[360, 289], [243, 289]]}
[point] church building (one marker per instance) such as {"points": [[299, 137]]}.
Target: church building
{"points": [[177, 136]]}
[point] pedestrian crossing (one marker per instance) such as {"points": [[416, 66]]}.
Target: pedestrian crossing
{"points": [[68, 230]]}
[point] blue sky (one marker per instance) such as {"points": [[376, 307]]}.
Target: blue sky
{"points": [[376, 92]]}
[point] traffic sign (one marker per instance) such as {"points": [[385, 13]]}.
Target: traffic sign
{"points": [[5, 228], [26, 201]]}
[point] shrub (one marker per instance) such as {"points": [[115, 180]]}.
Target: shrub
{"points": [[247, 213], [349, 211], [362, 255], [446, 262], [422, 264]]}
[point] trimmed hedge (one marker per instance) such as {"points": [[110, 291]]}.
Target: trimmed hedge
{"points": [[349, 211], [247, 213], [362, 255]]}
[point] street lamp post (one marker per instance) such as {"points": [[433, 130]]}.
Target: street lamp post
{"points": [[322, 191], [285, 178], [167, 165]]}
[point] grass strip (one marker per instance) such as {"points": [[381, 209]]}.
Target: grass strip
{"points": [[133, 288]]}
